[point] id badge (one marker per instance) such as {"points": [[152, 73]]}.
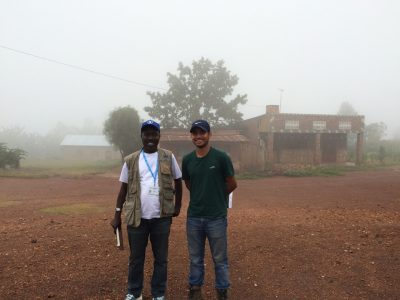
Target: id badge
{"points": [[154, 190]]}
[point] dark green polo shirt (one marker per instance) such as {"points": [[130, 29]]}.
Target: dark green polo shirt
{"points": [[207, 177]]}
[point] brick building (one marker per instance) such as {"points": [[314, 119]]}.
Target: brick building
{"points": [[301, 138], [229, 140]]}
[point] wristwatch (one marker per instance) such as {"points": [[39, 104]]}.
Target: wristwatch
{"points": [[117, 209]]}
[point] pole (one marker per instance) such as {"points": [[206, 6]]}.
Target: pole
{"points": [[280, 100]]}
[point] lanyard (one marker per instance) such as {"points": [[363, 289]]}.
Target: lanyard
{"points": [[154, 175]]}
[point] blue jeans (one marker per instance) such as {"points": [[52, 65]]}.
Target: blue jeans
{"points": [[198, 229], [158, 230]]}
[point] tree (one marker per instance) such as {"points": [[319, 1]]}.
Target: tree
{"points": [[122, 129], [15, 156], [347, 109], [10, 157], [17, 137], [197, 92], [3, 155], [382, 154], [374, 132]]}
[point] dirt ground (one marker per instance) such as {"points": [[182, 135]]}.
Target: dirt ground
{"points": [[289, 238]]}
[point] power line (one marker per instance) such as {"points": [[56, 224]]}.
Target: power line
{"points": [[81, 68]]}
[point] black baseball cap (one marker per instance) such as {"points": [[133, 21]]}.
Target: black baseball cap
{"points": [[202, 124]]}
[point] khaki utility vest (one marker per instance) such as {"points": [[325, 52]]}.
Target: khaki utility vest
{"points": [[132, 205]]}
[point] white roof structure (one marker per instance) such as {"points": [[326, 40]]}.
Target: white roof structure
{"points": [[85, 140]]}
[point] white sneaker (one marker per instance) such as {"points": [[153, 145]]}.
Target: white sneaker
{"points": [[131, 297], [159, 298]]}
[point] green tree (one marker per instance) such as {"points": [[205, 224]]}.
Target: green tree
{"points": [[122, 129], [10, 157], [198, 92], [14, 157]]}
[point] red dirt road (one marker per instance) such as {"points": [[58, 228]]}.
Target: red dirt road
{"points": [[289, 238]]}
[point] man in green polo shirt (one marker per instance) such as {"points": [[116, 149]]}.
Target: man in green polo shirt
{"points": [[209, 176]]}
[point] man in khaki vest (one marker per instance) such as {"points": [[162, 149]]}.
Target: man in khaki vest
{"points": [[150, 195]]}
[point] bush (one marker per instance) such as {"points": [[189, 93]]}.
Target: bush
{"points": [[384, 152], [10, 157]]}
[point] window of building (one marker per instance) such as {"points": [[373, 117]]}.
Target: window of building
{"points": [[292, 124], [319, 125], [344, 125]]}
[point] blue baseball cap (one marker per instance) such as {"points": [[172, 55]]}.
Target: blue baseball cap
{"points": [[202, 124], [150, 123]]}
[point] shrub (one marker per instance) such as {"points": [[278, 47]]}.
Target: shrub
{"points": [[10, 157]]}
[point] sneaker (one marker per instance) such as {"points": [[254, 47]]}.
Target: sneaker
{"points": [[222, 294], [159, 298], [195, 293], [131, 297]]}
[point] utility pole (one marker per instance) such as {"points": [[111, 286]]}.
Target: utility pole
{"points": [[280, 99]]}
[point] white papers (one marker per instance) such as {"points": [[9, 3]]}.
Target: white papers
{"points": [[230, 200], [118, 239]]}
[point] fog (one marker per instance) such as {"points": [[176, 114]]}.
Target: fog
{"points": [[320, 53]]}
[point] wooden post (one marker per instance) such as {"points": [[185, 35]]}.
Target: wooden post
{"points": [[359, 148], [270, 148], [317, 151]]}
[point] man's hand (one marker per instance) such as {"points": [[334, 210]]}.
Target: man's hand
{"points": [[177, 211], [116, 222], [178, 196]]}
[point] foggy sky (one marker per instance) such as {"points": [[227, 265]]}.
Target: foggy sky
{"points": [[321, 53]]}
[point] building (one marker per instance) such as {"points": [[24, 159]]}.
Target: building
{"points": [[281, 138], [88, 147], [229, 140]]}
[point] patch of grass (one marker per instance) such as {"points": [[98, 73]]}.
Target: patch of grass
{"points": [[313, 171], [297, 173], [332, 170], [8, 203], [254, 175], [25, 173], [73, 209], [364, 167], [63, 168]]}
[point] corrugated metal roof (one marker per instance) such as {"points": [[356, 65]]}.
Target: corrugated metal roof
{"points": [[85, 140]]}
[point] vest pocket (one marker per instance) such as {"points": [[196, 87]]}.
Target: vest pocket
{"points": [[168, 204], [165, 168], [130, 213]]}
